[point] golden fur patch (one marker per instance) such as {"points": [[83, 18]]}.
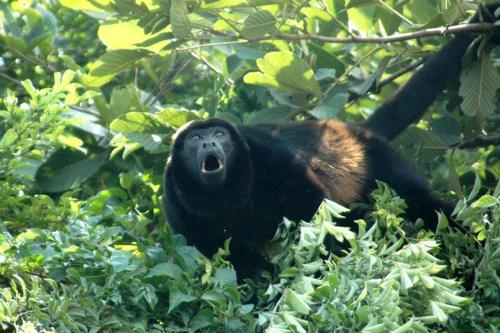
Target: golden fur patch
{"points": [[339, 163]]}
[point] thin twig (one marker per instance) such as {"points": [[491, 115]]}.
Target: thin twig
{"points": [[479, 141], [395, 12], [199, 57], [85, 110], [11, 79], [33, 60], [169, 77], [400, 72], [375, 88]]}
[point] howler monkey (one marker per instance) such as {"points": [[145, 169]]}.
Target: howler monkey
{"points": [[239, 181]]}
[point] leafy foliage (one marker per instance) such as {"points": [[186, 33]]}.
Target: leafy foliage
{"points": [[90, 94]]}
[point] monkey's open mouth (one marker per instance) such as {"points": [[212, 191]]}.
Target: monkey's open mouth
{"points": [[211, 163]]}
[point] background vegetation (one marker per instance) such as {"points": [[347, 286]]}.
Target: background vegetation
{"points": [[90, 93]]}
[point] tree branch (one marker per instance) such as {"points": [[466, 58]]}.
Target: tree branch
{"points": [[11, 79], [441, 31], [480, 141]]}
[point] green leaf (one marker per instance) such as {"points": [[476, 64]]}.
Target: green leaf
{"points": [[478, 85], [202, 319], [181, 26], [453, 14], [129, 35], [417, 140], [65, 169], [176, 298], [298, 302], [441, 316], [363, 88], [406, 281], [137, 122], [332, 104], [214, 296], [335, 209], [225, 276], [115, 61], [284, 71], [270, 115], [221, 4], [447, 128], [324, 73], [485, 201], [8, 138], [176, 118], [93, 5], [119, 260], [360, 3], [122, 100], [165, 270], [326, 59], [141, 128], [258, 24], [96, 81], [127, 180]]}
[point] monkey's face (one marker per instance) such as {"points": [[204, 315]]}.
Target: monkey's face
{"points": [[207, 154]]}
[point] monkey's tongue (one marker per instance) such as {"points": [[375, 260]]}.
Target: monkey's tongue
{"points": [[211, 163]]}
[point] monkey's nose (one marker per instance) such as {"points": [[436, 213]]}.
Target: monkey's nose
{"points": [[205, 144]]}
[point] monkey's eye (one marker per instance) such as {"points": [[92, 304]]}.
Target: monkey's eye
{"points": [[219, 134], [195, 138]]}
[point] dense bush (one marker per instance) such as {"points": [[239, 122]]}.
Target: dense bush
{"points": [[90, 94]]}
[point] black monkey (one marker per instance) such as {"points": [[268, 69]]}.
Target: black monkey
{"points": [[238, 181]]}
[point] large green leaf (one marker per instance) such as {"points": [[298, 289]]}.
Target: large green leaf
{"points": [[299, 303], [93, 5], [129, 35], [137, 122], [143, 129], [417, 141], [115, 61], [123, 100], [270, 115], [65, 169], [181, 26], [258, 24], [176, 118], [286, 72], [110, 64], [478, 85]]}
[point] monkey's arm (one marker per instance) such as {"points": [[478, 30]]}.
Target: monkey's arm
{"points": [[412, 100]]}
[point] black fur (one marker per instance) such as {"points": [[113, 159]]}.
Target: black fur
{"points": [[279, 172], [285, 170]]}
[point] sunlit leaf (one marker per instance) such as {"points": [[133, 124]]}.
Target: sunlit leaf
{"points": [[258, 24], [93, 5], [115, 61], [181, 26], [298, 302], [129, 35], [284, 71], [478, 85]]}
